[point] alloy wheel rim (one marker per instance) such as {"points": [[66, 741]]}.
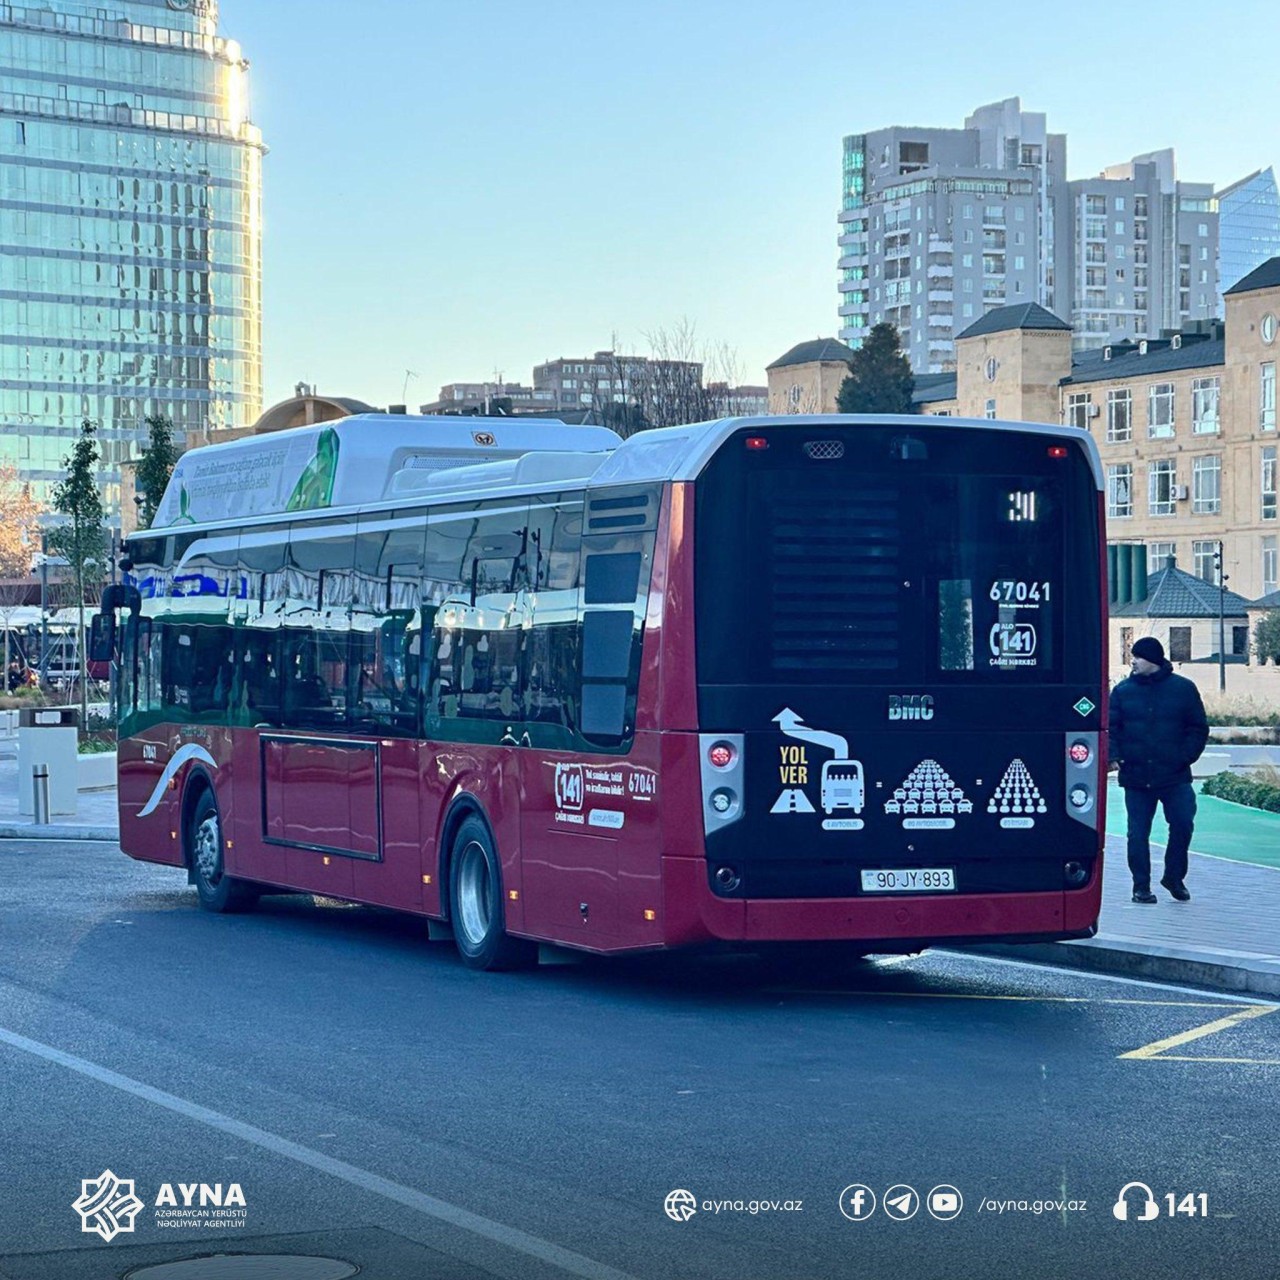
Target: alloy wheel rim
{"points": [[473, 893], [207, 851]]}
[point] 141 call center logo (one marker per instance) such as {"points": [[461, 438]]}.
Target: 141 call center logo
{"points": [[109, 1205]]}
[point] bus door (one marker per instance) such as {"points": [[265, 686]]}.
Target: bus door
{"points": [[386, 638]]}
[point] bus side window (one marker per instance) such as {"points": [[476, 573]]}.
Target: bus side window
{"points": [[618, 550], [553, 636], [474, 572]]}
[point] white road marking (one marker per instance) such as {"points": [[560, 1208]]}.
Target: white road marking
{"points": [[522, 1242]]}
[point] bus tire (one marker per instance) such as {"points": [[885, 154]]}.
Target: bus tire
{"points": [[476, 903], [215, 890]]}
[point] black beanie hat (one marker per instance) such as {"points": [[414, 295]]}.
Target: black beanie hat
{"points": [[1149, 648]]}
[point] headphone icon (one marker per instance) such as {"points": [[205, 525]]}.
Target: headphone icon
{"points": [[1150, 1208]]}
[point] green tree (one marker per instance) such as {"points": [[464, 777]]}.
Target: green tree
{"points": [[880, 378], [81, 540], [1266, 637], [155, 467]]}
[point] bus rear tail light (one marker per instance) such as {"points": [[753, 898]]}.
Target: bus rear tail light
{"points": [[723, 800], [720, 763], [1080, 766]]}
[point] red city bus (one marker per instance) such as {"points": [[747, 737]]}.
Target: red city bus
{"points": [[762, 680]]}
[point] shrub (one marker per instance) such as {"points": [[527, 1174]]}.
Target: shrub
{"points": [[1259, 791], [1240, 711]]}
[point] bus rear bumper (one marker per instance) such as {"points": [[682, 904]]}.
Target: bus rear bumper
{"points": [[695, 914]]}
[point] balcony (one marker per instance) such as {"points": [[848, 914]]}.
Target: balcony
{"points": [[942, 295], [940, 271]]}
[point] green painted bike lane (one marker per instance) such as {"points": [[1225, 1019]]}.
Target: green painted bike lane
{"points": [[1223, 829]]}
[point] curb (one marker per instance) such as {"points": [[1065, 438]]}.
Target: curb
{"points": [[56, 831], [1241, 972]]}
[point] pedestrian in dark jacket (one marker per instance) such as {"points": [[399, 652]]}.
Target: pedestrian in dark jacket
{"points": [[1158, 730]]}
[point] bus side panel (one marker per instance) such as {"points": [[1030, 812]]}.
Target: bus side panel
{"points": [[252, 857], [141, 762], [668, 691], [396, 879], [448, 770]]}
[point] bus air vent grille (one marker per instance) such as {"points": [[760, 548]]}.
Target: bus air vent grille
{"points": [[824, 450], [835, 581]]}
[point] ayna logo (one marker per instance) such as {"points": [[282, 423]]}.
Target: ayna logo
{"points": [[107, 1205]]}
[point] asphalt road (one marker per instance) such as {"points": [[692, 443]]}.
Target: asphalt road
{"points": [[374, 1101]]}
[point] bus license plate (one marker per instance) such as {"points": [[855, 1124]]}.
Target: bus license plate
{"points": [[910, 880]]}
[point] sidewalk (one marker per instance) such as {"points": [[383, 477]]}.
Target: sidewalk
{"points": [[95, 818], [1227, 937]]}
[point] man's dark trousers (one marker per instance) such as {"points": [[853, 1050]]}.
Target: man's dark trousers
{"points": [[1179, 803]]}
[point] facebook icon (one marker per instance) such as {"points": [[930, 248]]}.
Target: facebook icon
{"points": [[857, 1202]]}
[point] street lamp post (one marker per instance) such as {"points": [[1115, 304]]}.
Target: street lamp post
{"points": [[1222, 622], [44, 604]]}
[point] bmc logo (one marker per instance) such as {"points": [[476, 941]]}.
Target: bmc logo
{"points": [[569, 786], [910, 706]]}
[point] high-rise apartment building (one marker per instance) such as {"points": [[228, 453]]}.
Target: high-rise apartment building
{"points": [[1144, 252], [1248, 227], [130, 229], [939, 226]]}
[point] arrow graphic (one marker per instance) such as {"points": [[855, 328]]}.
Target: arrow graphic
{"points": [[794, 727]]}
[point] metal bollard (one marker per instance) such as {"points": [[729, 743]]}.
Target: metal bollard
{"points": [[40, 794]]}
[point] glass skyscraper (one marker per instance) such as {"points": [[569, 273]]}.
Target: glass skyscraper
{"points": [[130, 229], [1248, 228]]}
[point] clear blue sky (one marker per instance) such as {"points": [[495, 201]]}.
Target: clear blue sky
{"points": [[458, 188]]}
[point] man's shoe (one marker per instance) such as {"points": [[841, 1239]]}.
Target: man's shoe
{"points": [[1143, 895], [1177, 889]]}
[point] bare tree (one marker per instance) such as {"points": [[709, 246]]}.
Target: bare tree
{"points": [[679, 381]]}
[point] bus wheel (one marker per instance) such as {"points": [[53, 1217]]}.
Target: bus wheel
{"points": [[215, 890], [475, 903]]}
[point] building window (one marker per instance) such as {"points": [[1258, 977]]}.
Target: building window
{"points": [[1079, 406], [1119, 204], [1204, 405], [1240, 642], [1179, 644], [1126, 646], [1267, 412], [1269, 564], [968, 211], [1158, 554], [966, 260], [1160, 487], [1269, 482], [968, 236], [1204, 555], [1206, 485], [991, 409], [1160, 410], [1119, 416], [1120, 490]]}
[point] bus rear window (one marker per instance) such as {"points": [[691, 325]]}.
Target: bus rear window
{"points": [[949, 563]]}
